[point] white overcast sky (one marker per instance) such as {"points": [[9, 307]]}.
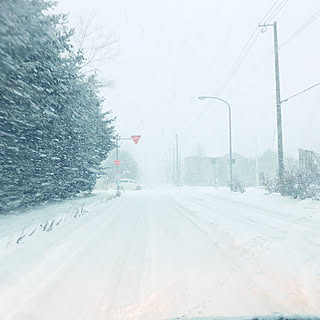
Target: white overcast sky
{"points": [[171, 51]]}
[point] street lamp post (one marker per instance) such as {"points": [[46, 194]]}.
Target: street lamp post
{"points": [[230, 136]]}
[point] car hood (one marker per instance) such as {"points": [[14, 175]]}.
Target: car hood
{"points": [[275, 316]]}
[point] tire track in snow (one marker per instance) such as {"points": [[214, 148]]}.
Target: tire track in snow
{"points": [[230, 255], [133, 247], [298, 294], [295, 294]]}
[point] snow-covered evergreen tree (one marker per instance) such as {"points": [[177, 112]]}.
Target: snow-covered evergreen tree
{"points": [[53, 134]]}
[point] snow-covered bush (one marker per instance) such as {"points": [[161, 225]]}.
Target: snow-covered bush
{"points": [[298, 183], [302, 184], [238, 185], [272, 185]]}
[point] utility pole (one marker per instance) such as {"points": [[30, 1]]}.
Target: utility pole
{"points": [[173, 165], [117, 159], [177, 161], [279, 115], [172, 148], [257, 164], [278, 100]]}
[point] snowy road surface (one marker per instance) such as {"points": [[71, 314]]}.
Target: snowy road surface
{"points": [[160, 254]]}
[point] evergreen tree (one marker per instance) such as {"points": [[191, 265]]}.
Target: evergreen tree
{"points": [[53, 133]]}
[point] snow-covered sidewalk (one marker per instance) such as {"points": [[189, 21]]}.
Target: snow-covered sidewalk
{"points": [[22, 224], [160, 254]]}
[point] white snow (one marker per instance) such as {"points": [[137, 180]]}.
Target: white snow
{"points": [[159, 254]]}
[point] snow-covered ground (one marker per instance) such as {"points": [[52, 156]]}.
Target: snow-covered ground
{"points": [[160, 254]]}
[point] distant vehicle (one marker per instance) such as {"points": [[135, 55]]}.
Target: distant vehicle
{"points": [[129, 184]]}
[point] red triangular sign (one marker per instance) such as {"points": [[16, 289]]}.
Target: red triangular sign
{"points": [[117, 162], [135, 139]]}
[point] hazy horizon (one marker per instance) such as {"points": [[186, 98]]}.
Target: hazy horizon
{"points": [[168, 53]]}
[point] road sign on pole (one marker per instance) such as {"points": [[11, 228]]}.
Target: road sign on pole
{"points": [[117, 162], [135, 139]]}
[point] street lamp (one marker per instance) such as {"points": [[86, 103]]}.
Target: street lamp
{"points": [[230, 137]]}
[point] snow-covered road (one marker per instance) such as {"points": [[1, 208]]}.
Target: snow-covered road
{"points": [[160, 254]]}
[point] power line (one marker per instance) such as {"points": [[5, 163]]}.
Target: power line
{"points": [[273, 11], [301, 92], [276, 11], [263, 20], [241, 58], [301, 28]]}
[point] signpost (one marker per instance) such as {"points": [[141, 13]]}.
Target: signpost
{"points": [[135, 139]]}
